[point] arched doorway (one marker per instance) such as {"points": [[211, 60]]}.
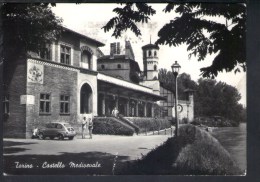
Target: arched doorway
{"points": [[86, 99]]}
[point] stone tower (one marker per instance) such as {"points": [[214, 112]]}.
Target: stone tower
{"points": [[150, 61]]}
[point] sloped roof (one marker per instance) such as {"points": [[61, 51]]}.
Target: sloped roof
{"points": [[128, 85], [153, 46], [99, 44]]}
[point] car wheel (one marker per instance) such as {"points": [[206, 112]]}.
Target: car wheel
{"points": [[71, 138], [61, 137], [41, 136]]}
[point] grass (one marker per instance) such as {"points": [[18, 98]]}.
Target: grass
{"points": [[193, 152]]}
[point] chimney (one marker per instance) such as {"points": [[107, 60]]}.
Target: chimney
{"points": [[112, 49], [118, 48]]}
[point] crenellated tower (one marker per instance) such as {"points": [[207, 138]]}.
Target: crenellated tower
{"points": [[150, 61]]}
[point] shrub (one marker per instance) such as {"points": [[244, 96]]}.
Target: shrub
{"points": [[193, 152], [214, 122], [110, 126], [150, 124]]}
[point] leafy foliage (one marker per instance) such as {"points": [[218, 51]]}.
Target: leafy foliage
{"points": [[193, 26], [184, 82], [218, 98], [127, 17], [28, 27]]}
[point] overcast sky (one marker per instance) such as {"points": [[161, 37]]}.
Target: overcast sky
{"points": [[88, 19]]}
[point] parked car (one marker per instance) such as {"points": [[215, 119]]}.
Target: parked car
{"points": [[60, 130]]}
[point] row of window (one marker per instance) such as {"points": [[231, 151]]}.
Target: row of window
{"points": [[65, 55], [150, 54], [45, 104], [118, 66]]}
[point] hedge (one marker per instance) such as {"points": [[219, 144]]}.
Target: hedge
{"points": [[150, 124], [193, 152], [211, 122], [110, 126]]}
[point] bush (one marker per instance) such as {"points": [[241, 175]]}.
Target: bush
{"points": [[150, 124], [214, 122], [193, 152], [110, 126]]}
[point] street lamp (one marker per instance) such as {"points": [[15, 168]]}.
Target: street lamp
{"points": [[175, 70]]}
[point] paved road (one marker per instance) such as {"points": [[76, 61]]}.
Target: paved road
{"points": [[133, 147]]}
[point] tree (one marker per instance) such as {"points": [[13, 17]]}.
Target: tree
{"points": [[184, 82], [227, 40], [218, 99], [28, 27]]}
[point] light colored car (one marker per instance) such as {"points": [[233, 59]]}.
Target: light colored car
{"points": [[60, 130]]}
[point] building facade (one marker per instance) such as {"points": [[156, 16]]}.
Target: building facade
{"points": [[72, 78]]}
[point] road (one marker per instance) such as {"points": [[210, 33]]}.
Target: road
{"points": [[133, 147]]}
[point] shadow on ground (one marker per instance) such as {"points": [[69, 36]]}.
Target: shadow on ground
{"points": [[11, 143], [56, 162], [11, 150]]}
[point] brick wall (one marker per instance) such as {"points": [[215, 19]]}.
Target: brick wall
{"points": [[15, 79], [57, 81]]}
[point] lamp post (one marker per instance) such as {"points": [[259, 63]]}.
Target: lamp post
{"points": [[175, 70]]}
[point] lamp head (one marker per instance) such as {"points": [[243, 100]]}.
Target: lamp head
{"points": [[175, 68]]}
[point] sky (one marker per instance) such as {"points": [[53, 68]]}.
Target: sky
{"points": [[88, 19]]}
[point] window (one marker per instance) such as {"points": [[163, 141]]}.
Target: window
{"points": [[6, 104], [64, 104], [45, 53], [119, 66], [102, 66], [45, 104], [155, 53], [155, 68], [65, 56], [86, 59], [150, 53], [59, 126]]}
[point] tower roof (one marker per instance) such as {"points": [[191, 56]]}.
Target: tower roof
{"points": [[153, 46]]}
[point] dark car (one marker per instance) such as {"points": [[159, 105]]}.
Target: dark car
{"points": [[60, 130]]}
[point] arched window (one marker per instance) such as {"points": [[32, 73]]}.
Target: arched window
{"points": [[86, 99], [149, 53], [86, 58], [102, 66], [155, 53], [119, 66], [155, 68]]}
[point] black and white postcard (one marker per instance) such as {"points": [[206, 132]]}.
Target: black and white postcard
{"points": [[124, 89]]}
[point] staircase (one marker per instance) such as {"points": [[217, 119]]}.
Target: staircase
{"points": [[123, 123], [126, 121]]}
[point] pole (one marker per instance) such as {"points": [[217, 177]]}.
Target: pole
{"points": [[176, 104]]}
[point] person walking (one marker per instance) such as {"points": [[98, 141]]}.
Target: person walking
{"points": [[90, 127], [84, 126]]}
